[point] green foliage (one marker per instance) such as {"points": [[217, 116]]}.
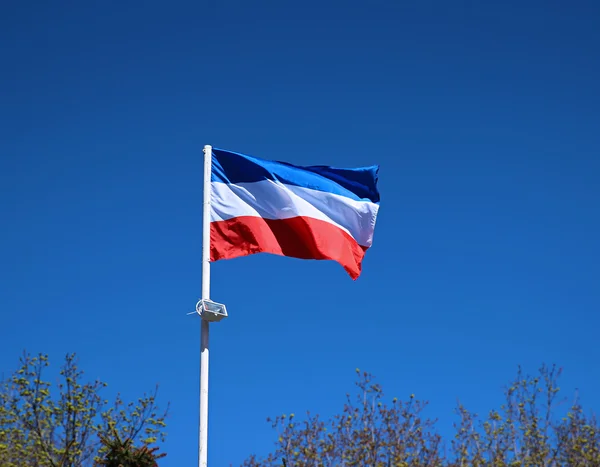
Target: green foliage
{"points": [[122, 453], [524, 432], [62, 427]]}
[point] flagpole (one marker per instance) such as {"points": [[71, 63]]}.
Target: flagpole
{"points": [[203, 428]]}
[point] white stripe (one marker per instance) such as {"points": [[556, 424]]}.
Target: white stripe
{"points": [[272, 200]]}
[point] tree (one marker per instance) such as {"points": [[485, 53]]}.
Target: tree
{"points": [[121, 452], [524, 432], [72, 426]]}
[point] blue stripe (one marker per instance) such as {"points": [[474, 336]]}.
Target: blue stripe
{"points": [[359, 183]]}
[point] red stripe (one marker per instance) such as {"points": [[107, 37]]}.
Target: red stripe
{"points": [[298, 237]]}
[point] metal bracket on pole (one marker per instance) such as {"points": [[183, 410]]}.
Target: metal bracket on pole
{"points": [[210, 311]]}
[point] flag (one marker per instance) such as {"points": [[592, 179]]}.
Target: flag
{"points": [[316, 212]]}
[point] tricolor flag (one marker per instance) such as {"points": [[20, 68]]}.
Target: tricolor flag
{"points": [[316, 212]]}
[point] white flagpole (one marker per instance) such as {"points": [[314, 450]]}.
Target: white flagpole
{"points": [[203, 429]]}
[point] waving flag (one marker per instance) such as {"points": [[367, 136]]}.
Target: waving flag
{"points": [[316, 212]]}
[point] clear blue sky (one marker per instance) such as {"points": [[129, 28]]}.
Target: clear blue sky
{"points": [[484, 117]]}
